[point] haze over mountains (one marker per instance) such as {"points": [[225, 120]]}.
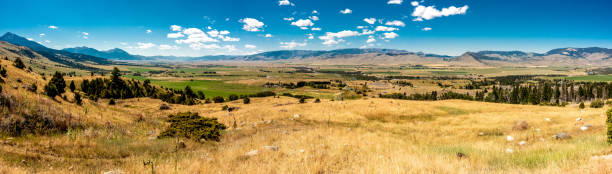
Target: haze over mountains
{"points": [[593, 56]]}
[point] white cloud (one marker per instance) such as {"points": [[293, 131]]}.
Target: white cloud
{"points": [[168, 47], [430, 12], [268, 35], [367, 32], [390, 35], [396, 23], [228, 39], [385, 28], [289, 19], [196, 38], [310, 36], [47, 41], [303, 23], [123, 43], [316, 29], [426, 29], [213, 33], [251, 24], [145, 45], [175, 35], [414, 3], [314, 18], [175, 28], [249, 46], [149, 31], [371, 39], [370, 20], [395, 2], [198, 46], [285, 2], [334, 38], [224, 32], [291, 45], [315, 12], [346, 11], [42, 34], [53, 27], [85, 34], [30, 39]]}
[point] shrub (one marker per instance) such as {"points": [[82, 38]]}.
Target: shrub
{"points": [[192, 126], [111, 102], [56, 85], [77, 99], [596, 104], [317, 100], [302, 100], [609, 123], [2, 72], [581, 106], [233, 97], [0, 89], [72, 86], [224, 108], [18, 63], [246, 100], [164, 107], [218, 99]]}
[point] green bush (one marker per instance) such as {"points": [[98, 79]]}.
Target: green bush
{"points": [[18, 63], [233, 97], [111, 102], [609, 122], [192, 126], [302, 100], [72, 87], [2, 72], [218, 99], [77, 99], [56, 85], [317, 100], [581, 106], [246, 100], [596, 104]]}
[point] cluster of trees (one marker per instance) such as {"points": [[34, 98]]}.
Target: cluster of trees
{"points": [[290, 85], [19, 63]]}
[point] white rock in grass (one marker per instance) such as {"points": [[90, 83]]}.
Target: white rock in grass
{"points": [[509, 138], [587, 125], [302, 150], [509, 150], [579, 119], [522, 143], [547, 119], [252, 153], [296, 116], [584, 128]]}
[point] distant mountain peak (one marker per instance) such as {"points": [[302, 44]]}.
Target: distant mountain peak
{"points": [[114, 53]]}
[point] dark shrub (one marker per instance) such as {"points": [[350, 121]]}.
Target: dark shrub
{"points": [[2, 72], [18, 63], [192, 126], [317, 100], [581, 106], [164, 107], [224, 108], [56, 85], [609, 123], [596, 104], [218, 99], [77, 99], [302, 100], [72, 86], [111, 102], [233, 97], [246, 100]]}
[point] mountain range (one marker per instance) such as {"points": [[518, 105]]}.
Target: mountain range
{"points": [[592, 56]]}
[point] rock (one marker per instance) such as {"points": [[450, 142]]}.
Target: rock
{"points": [[272, 148], [579, 119], [587, 125], [296, 116], [509, 138], [584, 128], [252, 153], [562, 136], [547, 119], [480, 133], [522, 143], [461, 155], [520, 125], [302, 150]]}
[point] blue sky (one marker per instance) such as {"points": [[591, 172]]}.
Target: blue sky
{"points": [[212, 27]]}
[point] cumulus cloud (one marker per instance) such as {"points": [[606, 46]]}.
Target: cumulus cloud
{"points": [[346, 11], [426, 29], [370, 39], [289, 19], [251, 24], [395, 23], [331, 38], [430, 12], [85, 35], [390, 35], [195, 35], [303, 23], [175, 28], [145, 45], [168, 47], [385, 28], [315, 29], [175, 35], [314, 18], [310, 36], [249, 46], [53, 27], [42, 34], [268, 35], [149, 31], [367, 32], [315, 12], [285, 2], [398, 2], [414, 3], [370, 20], [291, 45], [228, 39]]}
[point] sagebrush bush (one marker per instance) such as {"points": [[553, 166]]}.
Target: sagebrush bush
{"points": [[246, 100], [597, 104], [609, 123], [581, 106], [191, 126]]}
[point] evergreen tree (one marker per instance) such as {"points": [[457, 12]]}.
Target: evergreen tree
{"points": [[71, 86], [18, 63], [246, 100], [56, 85], [77, 99]]}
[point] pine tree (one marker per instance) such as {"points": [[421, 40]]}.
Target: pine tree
{"points": [[56, 85], [18, 63], [72, 86]]}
